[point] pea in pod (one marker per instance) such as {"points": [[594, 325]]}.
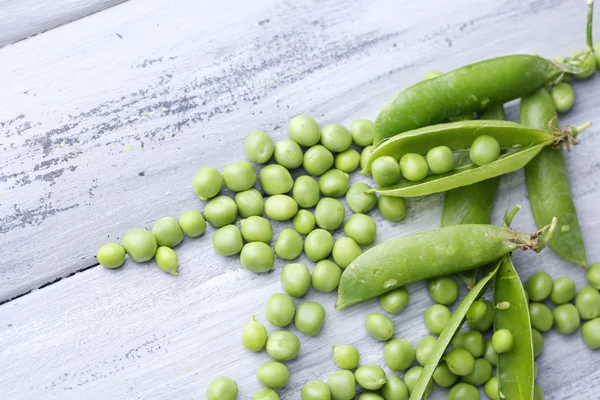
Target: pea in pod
{"points": [[515, 367], [448, 333], [428, 254], [466, 90], [548, 185]]}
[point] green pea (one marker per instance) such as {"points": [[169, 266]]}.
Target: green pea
{"points": [[304, 130], [394, 301], [282, 345], [250, 203], [481, 374], [345, 356], [239, 176], [258, 147], [192, 223], [590, 332], [140, 244], [222, 388], [304, 222], [289, 244], [592, 275], [538, 342], [476, 311], [342, 385], [413, 167], [490, 354], [220, 211], [370, 396], [280, 309], [587, 302], [566, 318], [228, 240], [207, 183], [361, 228], [280, 207], [484, 150], [460, 362], [317, 160], [492, 388], [473, 342], [334, 183], [424, 348], [385, 170], [442, 376], [329, 213], [309, 318], [370, 377], [111, 255], [288, 154], [256, 229], [359, 201], [398, 354], [347, 160], [275, 179], [167, 260], [295, 279], [484, 323], [538, 286], [254, 336], [394, 389], [257, 257], [434, 73], [306, 191], [463, 391], [436, 318], [273, 374], [318, 245], [335, 137], [392, 208], [538, 394], [541, 317], [412, 376], [365, 155], [325, 276], [167, 232], [443, 290], [316, 390], [379, 326], [266, 394], [563, 96], [345, 250], [363, 132], [440, 159]]}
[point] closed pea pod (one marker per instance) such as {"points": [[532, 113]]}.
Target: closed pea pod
{"points": [[280, 207], [275, 179], [167, 260]]}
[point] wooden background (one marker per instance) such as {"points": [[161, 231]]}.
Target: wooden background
{"points": [[105, 119]]}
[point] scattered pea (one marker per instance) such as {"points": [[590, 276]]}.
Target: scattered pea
{"points": [[280, 207], [460, 362], [538, 342], [361, 228], [412, 376], [289, 244], [398, 354], [167, 260], [309, 318], [563, 96], [220, 211], [111, 255], [325, 276], [256, 229], [334, 183], [424, 348], [484, 323], [304, 130], [463, 391], [345, 356], [473, 342], [481, 374], [295, 279], [347, 160], [257, 257], [592, 275], [167, 232], [363, 132], [538, 286], [587, 302], [440, 160], [394, 301], [365, 155], [140, 244], [318, 245], [317, 160], [345, 250], [273, 375], [280, 309], [239, 176], [566, 318], [541, 317], [288, 153], [254, 336], [394, 389], [538, 393], [222, 388], [227, 240], [385, 170], [436, 318], [476, 311], [590, 332], [392, 208], [335, 137], [266, 394], [304, 222], [342, 385], [329, 213], [275, 179], [492, 388], [316, 390], [358, 200], [207, 183], [379, 326], [306, 191], [370, 396], [491, 355], [282, 345], [370, 377], [258, 147], [249, 203], [192, 223], [442, 376], [413, 167], [443, 290]]}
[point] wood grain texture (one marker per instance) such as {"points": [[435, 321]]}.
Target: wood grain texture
{"points": [[21, 19], [105, 121]]}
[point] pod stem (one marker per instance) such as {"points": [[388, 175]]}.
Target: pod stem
{"points": [[590, 19], [567, 137], [509, 215], [537, 240]]}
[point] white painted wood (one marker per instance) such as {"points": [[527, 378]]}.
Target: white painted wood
{"points": [[172, 95], [20, 19]]}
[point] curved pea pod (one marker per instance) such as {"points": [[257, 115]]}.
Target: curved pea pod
{"points": [[548, 185], [428, 254], [452, 327], [515, 367], [459, 136], [467, 89]]}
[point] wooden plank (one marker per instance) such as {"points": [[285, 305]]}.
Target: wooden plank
{"points": [[24, 18]]}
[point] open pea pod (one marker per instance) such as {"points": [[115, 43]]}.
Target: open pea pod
{"points": [[449, 331], [459, 136], [515, 367]]}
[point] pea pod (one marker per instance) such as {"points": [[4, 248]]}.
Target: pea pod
{"points": [[465, 90], [428, 254], [452, 327], [515, 367], [548, 182]]}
